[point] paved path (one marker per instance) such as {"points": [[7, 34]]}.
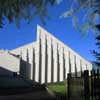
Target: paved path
{"points": [[19, 89], [39, 95]]}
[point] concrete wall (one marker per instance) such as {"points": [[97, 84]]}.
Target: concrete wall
{"points": [[9, 63], [50, 59], [61, 51], [26, 52]]}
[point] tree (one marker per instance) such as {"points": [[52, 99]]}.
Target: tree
{"points": [[90, 10], [95, 52], [15, 10]]}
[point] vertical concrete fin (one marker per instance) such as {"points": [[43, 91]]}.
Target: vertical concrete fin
{"points": [[58, 65], [38, 31], [40, 59], [33, 64], [52, 63], [20, 71], [64, 69], [27, 56], [75, 65], [46, 60], [69, 62], [81, 66], [28, 70]]}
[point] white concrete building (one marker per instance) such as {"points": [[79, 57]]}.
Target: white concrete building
{"points": [[9, 63], [48, 59]]}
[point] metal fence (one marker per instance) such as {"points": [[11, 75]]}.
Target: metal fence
{"points": [[86, 87], [61, 97]]}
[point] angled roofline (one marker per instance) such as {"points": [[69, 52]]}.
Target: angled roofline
{"points": [[39, 28]]}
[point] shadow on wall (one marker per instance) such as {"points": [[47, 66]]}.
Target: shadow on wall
{"points": [[6, 73], [25, 69]]}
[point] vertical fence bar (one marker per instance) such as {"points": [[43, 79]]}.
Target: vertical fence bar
{"points": [[94, 84], [86, 85], [68, 85], [92, 91], [98, 85]]}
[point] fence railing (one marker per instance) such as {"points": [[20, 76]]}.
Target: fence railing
{"points": [[61, 97], [86, 87]]}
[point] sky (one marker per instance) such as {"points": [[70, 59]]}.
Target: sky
{"points": [[12, 37]]}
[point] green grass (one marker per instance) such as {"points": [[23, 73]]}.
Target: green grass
{"points": [[58, 88]]}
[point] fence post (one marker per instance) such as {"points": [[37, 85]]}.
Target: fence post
{"points": [[68, 85], [92, 84], [98, 85], [86, 85]]}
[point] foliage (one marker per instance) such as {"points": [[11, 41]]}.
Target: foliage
{"points": [[97, 53], [94, 52], [89, 20], [90, 11], [15, 10]]}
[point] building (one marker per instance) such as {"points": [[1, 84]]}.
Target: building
{"points": [[9, 63], [48, 59]]}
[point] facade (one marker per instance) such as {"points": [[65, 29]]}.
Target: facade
{"points": [[9, 63], [48, 59]]}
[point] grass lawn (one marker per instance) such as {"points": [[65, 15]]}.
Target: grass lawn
{"points": [[58, 88]]}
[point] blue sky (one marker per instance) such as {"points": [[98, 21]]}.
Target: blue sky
{"points": [[11, 37]]}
